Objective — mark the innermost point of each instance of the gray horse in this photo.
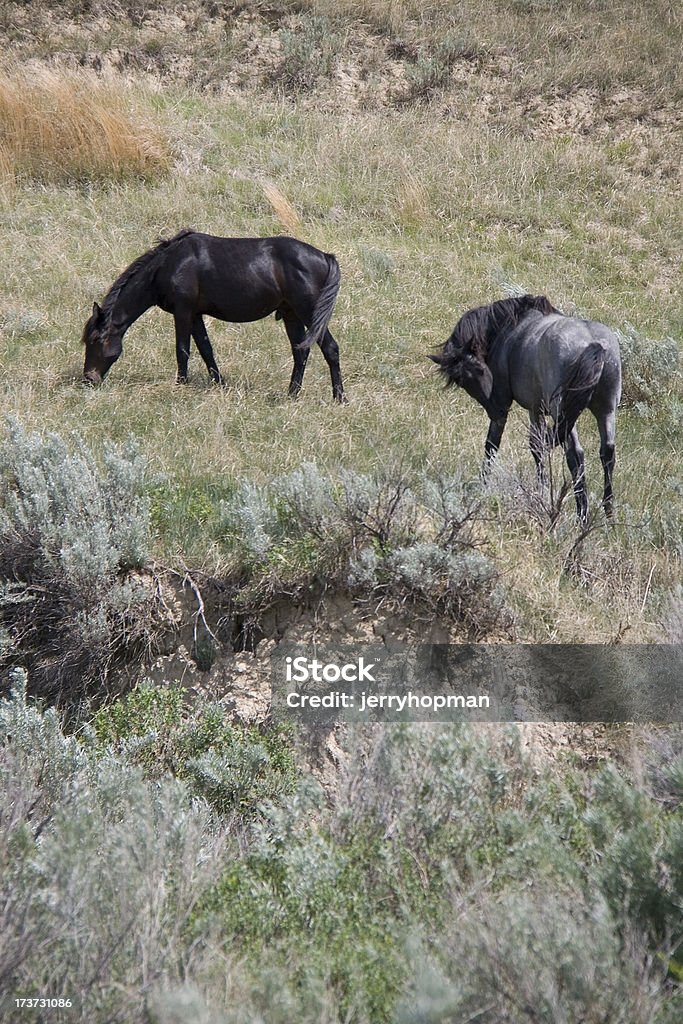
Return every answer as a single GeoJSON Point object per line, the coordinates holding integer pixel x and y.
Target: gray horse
{"type": "Point", "coordinates": [524, 350]}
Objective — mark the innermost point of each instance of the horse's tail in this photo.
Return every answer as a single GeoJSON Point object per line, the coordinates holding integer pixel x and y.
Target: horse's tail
{"type": "Point", "coordinates": [322, 311]}
{"type": "Point", "coordinates": [576, 389]}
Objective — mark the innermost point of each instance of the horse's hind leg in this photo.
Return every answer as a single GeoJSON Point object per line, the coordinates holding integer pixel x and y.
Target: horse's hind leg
{"type": "Point", "coordinates": [576, 462]}
{"type": "Point", "coordinates": [330, 349]}
{"type": "Point", "coordinates": [607, 428]}
{"type": "Point", "coordinates": [538, 443]}
{"type": "Point", "coordinates": [296, 332]}
{"type": "Point", "coordinates": [182, 345]}
{"type": "Point", "coordinates": [202, 342]}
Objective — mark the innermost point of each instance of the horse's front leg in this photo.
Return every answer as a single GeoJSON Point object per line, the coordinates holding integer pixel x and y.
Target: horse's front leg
{"type": "Point", "coordinates": [201, 339]}
{"type": "Point", "coordinates": [183, 324]}
{"type": "Point", "coordinates": [492, 443]}
{"type": "Point", "coordinates": [576, 462]}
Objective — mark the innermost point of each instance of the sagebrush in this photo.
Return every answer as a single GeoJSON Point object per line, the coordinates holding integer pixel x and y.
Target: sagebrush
{"type": "Point", "coordinates": [370, 535]}
{"type": "Point", "coordinates": [74, 534]}
{"type": "Point", "coordinates": [143, 898]}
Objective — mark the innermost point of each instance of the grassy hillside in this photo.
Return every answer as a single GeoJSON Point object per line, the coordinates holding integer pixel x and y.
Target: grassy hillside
{"type": "Point", "coordinates": [444, 157]}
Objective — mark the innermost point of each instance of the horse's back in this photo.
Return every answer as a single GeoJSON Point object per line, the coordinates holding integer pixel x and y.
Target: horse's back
{"type": "Point", "coordinates": [580, 335]}
{"type": "Point", "coordinates": [281, 248]}
{"type": "Point", "coordinates": [543, 349]}
{"type": "Point", "coordinates": [239, 279]}
{"type": "Point", "coordinates": [281, 260]}
{"type": "Point", "coordinates": [571, 339]}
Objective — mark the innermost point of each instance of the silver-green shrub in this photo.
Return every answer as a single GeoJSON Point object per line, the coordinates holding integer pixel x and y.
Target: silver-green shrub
{"type": "Point", "coordinates": [250, 521]}
{"type": "Point", "coordinates": [406, 543]}
{"type": "Point", "coordinates": [651, 371]}
{"type": "Point", "coordinates": [307, 501]}
{"type": "Point", "coordinates": [536, 954]}
{"type": "Point", "coordinates": [310, 53]}
{"type": "Point", "coordinates": [87, 522]}
{"type": "Point", "coordinates": [71, 531]}
{"type": "Point", "coordinates": [100, 871]}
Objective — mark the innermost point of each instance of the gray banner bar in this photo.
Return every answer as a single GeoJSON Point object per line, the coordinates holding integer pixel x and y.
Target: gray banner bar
{"type": "Point", "coordinates": [326, 683]}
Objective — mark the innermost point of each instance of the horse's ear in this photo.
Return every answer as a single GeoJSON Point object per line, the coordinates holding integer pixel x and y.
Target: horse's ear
{"type": "Point", "coordinates": [544, 305]}
{"type": "Point", "coordinates": [436, 359]}
{"type": "Point", "coordinates": [96, 310]}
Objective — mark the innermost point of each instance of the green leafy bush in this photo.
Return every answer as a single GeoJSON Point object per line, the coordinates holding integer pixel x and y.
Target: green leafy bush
{"type": "Point", "coordinates": [231, 767]}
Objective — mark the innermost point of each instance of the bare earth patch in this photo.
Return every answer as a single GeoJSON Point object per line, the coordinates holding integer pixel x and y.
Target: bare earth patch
{"type": "Point", "coordinates": [241, 681]}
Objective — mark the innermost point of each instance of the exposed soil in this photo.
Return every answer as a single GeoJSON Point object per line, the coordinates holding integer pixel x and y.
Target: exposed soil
{"type": "Point", "coordinates": [241, 680]}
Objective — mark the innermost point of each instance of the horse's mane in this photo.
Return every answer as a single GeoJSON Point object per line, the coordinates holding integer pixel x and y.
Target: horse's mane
{"type": "Point", "coordinates": [475, 331]}
{"type": "Point", "coordinates": [141, 263]}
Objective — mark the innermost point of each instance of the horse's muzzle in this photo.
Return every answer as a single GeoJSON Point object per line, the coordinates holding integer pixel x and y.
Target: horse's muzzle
{"type": "Point", "coordinates": [92, 379]}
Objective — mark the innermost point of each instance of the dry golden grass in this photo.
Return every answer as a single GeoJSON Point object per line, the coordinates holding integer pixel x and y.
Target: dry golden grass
{"type": "Point", "coordinates": [62, 126]}
{"type": "Point", "coordinates": [282, 207]}
{"type": "Point", "coordinates": [7, 169]}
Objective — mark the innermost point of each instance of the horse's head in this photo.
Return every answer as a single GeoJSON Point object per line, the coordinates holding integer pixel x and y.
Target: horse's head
{"type": "Point", "coordinates": [466, 370]}
{"type": "Point", "coordinates": [102, 346]}
{"type": "Point", "coordinates": [463, 358]}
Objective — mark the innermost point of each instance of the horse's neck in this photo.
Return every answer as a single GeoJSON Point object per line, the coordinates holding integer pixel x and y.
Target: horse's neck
{"type": "Point", "coordinates": [134, 299]}
{"type": "Point", "coordinates": [494, 345]}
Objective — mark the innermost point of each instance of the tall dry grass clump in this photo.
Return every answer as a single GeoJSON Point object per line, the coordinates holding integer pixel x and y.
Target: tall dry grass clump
{"type": "Point", "coordinates": [282, 207]}
{"type": "Point", "coordinates": [58, 126]}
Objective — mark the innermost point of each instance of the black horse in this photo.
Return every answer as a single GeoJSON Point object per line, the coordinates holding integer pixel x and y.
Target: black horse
{"type": "Point", "coordinates": [524, 350]}
{"type": "Point", "coordinates": [234, 279]}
